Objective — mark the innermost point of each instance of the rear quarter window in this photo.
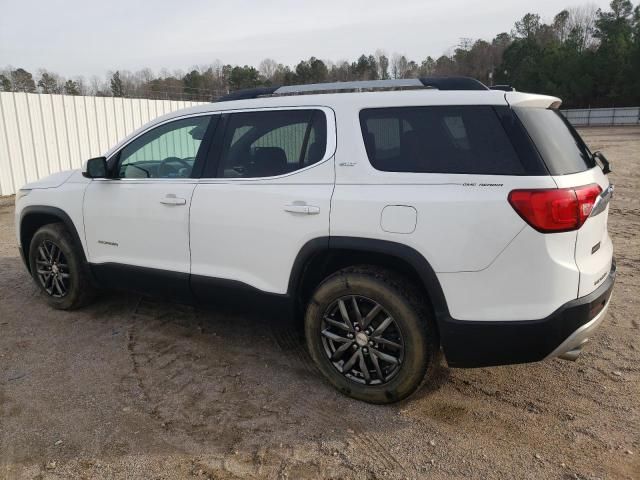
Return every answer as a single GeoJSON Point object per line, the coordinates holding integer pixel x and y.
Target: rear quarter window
{"type": "Point", "coordinates": [559, 144]}
{"type": "Point", "coordinates": [441, 139]}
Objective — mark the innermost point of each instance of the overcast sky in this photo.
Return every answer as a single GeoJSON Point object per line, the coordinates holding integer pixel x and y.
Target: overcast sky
{"type": "Point", "coordinates": [84, 37]}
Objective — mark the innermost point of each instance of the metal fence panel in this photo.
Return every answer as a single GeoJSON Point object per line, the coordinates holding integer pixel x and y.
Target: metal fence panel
{"type": "Point", "coordinates": [584, 117]}
{"type": "Point", "coordinates": [41, 134]}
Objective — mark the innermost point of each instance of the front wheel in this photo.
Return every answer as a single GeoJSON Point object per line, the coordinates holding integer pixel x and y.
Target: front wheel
{"type": "Point", "coordinates": [370, 334]}
{"type": "Point", "coordinates": [59, 269]}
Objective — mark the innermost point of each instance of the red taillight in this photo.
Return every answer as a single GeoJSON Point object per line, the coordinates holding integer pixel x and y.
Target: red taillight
{"type": "Point", "coordinates": [555, 210]}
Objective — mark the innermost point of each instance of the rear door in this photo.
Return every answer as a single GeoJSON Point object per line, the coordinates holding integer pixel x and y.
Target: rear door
{"type": "Point", "coordinates": [265, 193]}
{"type": "Point", "coordinates": [571, 165]}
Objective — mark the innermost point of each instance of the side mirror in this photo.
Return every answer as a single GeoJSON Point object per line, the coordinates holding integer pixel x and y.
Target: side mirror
{"type": "Point", "coordinates": [603, 162]}
{"type": "Point", "coordinates": [95, 168]}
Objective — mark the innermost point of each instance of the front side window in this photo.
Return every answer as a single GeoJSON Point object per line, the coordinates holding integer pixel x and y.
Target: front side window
{"type": "Point", "coordinates": [270, 143]}
{"type": "Point", "coordinates": [167, 151]}
{"type": "Point", "coordinates": [439, 139]}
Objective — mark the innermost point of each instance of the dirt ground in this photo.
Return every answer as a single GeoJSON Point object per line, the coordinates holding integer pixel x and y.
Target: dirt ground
{"type": "Point", "coordinates": [136, 388]}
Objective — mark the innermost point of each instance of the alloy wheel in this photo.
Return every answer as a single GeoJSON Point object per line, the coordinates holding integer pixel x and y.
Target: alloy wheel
{"type": "Point", "coordinates": [362, 340]}
{"type": "Point", "coordinates": [53, 269]}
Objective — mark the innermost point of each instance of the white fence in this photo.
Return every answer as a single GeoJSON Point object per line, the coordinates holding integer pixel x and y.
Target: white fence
{"type": "Point", "coordinates": [41, 134]}
{"type": "Point", "coordinates": [585, 117]}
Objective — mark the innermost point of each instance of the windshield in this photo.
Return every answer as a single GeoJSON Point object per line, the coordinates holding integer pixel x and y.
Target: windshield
{"type": "Point", "coordinates": [560, 146]}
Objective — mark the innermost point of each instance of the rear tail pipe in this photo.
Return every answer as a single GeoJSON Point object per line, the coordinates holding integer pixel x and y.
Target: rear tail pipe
{"type": "Point", "coordinates": [572, 355]}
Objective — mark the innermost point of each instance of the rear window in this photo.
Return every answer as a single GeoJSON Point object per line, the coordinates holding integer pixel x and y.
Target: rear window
{"type": "Point", "coordinates": [441, 139]}
{"type": "Point", "coordinates": [560, 146]}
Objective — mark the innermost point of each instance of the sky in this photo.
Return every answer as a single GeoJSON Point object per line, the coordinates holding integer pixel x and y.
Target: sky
{"type": "Point", "coordinates": [85, 37]}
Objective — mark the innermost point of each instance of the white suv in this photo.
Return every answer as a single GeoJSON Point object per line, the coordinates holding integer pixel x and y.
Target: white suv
{"type": "Point", "coordinates": [397, 217]}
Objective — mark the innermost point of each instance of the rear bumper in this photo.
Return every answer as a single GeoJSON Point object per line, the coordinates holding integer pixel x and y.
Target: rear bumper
{"type": "Point", "coordinates": [485, 343]}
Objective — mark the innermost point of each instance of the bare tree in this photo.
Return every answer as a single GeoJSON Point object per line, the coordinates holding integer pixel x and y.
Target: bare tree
{"type": "Point", "coordinates": [81, 85]}
{"type": "Point", "coordinates": [582, 20]}
{"type": "Point", "coordinates": [561, 25]}
{"type": "Point", "coordinates": [98, 87]}
{"type": "Point", "coordinates": [382, 60]}
{"type": "Point", "coordinates": [399, 66]}
{"type": "Point", "coordinates": [268, 68]}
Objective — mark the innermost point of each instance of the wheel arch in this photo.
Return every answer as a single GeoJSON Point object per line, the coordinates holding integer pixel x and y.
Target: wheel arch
{"type": "Point", "coordinates": [34, 217]}
{"type": "Point", "coordinates": [323, 256]}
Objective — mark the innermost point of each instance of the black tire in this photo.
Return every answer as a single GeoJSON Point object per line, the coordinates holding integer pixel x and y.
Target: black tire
{"type": "Point", "coordinates": [413, 327]}
{"type": "Point", "coordinates": [77, 288]}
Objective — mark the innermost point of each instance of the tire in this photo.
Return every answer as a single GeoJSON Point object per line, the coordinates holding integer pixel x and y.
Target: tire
{"type": "Point", "coordinates": [411, 327]}
{"type": "Point", "coordinates": [72, 286]}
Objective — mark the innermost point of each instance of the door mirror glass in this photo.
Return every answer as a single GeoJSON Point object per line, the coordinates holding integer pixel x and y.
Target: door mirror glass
{"type": "Point", "coordinates": [96, 168]}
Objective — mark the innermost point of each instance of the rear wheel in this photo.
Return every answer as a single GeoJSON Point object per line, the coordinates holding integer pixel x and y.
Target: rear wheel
{"type": "Point", "coordinates": [370, 334]}
{"type": "Point", "coordinates": [58, 268]}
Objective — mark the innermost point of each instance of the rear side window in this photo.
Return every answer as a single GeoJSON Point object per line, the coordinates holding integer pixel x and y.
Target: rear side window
{"type": "Point", "coordinates": [266, 144]}
{"type": "Point", "coordinates": [561, 147]}
{"type": "Point", "coordinates": [440, 139]}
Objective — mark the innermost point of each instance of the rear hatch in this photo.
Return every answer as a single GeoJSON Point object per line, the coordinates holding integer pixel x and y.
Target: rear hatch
{"type": "Point", "coordinates": [572, 166]}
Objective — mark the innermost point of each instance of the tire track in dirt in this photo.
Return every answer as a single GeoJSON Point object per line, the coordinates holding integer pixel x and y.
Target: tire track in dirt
{"type": "Point", "coordinates": [377, 453]}
{"type": "Point", "coordinates": [188, 388]}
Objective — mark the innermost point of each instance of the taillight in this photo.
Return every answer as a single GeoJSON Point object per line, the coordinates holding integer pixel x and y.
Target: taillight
{"type": "Point", "coordinates": [555, 210]}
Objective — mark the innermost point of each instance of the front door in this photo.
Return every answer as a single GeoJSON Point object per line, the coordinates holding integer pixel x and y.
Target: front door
{"type": "Point", "coordinates": [137, 221]}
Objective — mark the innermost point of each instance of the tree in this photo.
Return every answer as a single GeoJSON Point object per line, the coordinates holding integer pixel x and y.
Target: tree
{"type": "Point", "coordinates": [268, 68]}
{"type": "Point", "coordinates": [283, 75]}
{"type": "Point", "coordinates": [383, 64]}
{"type": "Point", "coordinates": [613, 62]}
{"type": "Point", "coordinates": [528, 26]}
{"type": "Point", "coordinates": [561, 25]}
{"type": "Point", "coordinates": [194, 83]}
{"type": "Point", "coordinates": [341, 72]}
{"type": "Point", "coordinates": [581, 25]}
{"type": "Point", "coordinates": [117, 89]}
{"type": "Point", "coordinates": [22, 81]}
{"type": "Point", "coordinates": [5, 84]}
{"type": "Point", "coordinates": [445, 65]}
{"type": "Point", "coordinates": [311, 71]}
{"type": "Point", "coordinates": [243, 77]}
{"type": "Point", "coordinates": [71, 88]}
{"type": "Point", "coordinates": [427, 67]}
{"type": "Point", "coordinates": [49, 83]}
{"type": "Point", "coordinates": [399, 65]}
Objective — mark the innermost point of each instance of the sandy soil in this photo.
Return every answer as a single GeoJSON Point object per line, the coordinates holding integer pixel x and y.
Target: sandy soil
{"type": "Point", "coordinates": [137, 388]}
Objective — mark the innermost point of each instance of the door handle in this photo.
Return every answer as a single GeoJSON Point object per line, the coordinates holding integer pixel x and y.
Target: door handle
{"type": "Point", "coordinates": [304, 209]}
{"type": "Point", "coordinates": [172, 200]}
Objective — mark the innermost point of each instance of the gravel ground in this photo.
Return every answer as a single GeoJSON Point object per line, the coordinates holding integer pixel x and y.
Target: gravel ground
{"type": "Point", "coordinates": [133, 387]}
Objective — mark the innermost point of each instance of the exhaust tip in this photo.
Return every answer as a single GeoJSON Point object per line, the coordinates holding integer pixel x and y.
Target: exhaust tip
{"type": "Point", "coordinates": [571, 355]}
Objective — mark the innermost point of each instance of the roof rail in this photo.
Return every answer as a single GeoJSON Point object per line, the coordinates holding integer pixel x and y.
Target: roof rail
{"type": "Point", "coordinates": [506, 88]}
{"type": "Point", "coordinates": [453, 83]}
{"type": "Point", "coordinates": [248, 93]}
{"type": "Point", "coordinates": [439, 83]}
